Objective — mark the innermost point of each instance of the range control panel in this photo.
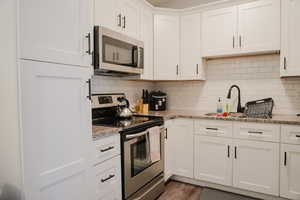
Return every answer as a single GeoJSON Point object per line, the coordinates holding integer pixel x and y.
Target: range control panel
{"type": "Point", "coordinates": [107, 100]}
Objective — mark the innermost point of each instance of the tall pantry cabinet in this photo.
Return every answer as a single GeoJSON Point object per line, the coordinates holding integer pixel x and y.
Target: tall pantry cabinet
{"type": "Point", "coordinates": [55, 69]}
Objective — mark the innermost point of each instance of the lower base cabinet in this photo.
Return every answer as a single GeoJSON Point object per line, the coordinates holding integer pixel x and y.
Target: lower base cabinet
{"type": "Point", "coordinates": [168, 150]}
{"type": "Point", "coordinates": [290, 171]}
{"type": "Point", "coordinates": [108, 179]}
{"type": "Point", "coordinates": [183, 151]}
{"type": "Point", "coordinates": [256, 166]}
{"type": "Point", "coordinates": [244, 164]}
{"type": "Point", "coordinates": [212, 159]}
{"type": "Point", "coordinates": [179, 153]}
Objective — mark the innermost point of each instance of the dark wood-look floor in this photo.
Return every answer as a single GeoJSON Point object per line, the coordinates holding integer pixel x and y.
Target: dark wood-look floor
{"type": "Point", "coordinates": [180, 191]}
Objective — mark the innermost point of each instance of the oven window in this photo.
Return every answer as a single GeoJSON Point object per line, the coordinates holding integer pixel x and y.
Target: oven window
{"type": "Point", "coordinates": [140, 155]}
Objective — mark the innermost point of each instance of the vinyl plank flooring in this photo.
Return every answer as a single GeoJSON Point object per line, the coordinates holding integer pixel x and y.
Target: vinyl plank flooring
{"type": "Point", "coordinates": [180, 191]}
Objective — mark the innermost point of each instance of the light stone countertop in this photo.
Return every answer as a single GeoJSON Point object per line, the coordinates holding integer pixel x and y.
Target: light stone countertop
{"type": "Point", "coordinates": [277, 119]}
{"type": "Point", "coordinates": [99, 131]}
{"type": "Point", "coordinates": [173, 114]}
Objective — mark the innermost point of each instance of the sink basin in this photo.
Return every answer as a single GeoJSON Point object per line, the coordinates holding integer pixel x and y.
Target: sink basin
{"type": "Point", "coordinates": [234, 115]}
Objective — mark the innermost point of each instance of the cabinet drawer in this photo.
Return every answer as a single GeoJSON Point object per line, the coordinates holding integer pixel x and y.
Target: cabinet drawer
{"type": "Point", "coordinates": [213, 128]}
{"type": "Point", "coordinates": [290, 134]}
{"type": "Point", "coordinates": [108, 179]}
{"type": "Point", "coordinates": [256, 131]}
{"type": "Point", "coordinates": [106, 148]}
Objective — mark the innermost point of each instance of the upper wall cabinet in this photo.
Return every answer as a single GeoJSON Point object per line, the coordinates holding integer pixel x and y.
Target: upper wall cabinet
{"type": "Point", "coordinates": [290, 41]}
{"type": "Point", "coordinates": [107, 14]}
{"type": "Point", "coordinates": [219, 29]}
{"type": "Point", "coordinates": [246, 29]}
{"type": "Point", "coordinates": [57, 31]}
{"type": "Point", "coordinates": [130, 10]}
{"type": "Point", "coordinates": [259, 26]}
{"type": "Point", "coordinates": [119, 15]}
{"type": "Point", "coordinates": [147, 37]}
{"type": "Point", "coordinates": [166, 47]}
{"type": "Point", "coordinates": [191, 67]}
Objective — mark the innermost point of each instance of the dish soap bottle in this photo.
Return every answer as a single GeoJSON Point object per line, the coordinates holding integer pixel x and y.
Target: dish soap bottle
{"type": "Point", "coordinates": [219, 107]}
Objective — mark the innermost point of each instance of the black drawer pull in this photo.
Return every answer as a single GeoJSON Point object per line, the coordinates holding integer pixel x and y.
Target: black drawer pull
{"type": "Point", "coordinates": [255, 132]}
{"type": "Point", "coordinates": [228, 151]}
{"type": "Point", "coordinates": [212, 129]}
{"type": "Point", "coordinates": [235, 152]}
{"type": "Point", "coordinates": [166, 135]}
{"type": "Point", "coordinates": [107, 149]}
{"type": "Point", "coordinates": [298, 136]}
{"type": "Point", "coordinates": [106, 179]}
{"type": "Point", "coordinates": [285, 158]}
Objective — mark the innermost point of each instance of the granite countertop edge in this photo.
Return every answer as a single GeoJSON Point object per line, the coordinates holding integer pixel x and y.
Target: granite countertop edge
{"type": "Point", "coordinates": [100, 131]}
{"type": "Point", "coordinates": [276, 119]}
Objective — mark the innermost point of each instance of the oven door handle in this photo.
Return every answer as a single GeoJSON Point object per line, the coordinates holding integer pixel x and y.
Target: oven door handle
{"type": "Point", "coordinates": [137, 135]}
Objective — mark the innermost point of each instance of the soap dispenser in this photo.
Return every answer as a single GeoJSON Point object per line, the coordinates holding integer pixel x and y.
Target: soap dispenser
{"type": "Point", "coordinates": [219, 107]}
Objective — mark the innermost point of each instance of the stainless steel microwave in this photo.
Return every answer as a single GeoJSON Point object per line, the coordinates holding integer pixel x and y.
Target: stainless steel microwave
{"type": "Point", "coordinates": [116, 53]}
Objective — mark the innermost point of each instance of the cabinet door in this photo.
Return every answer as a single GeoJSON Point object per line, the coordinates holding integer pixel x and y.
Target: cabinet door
{"type": "Point", "coordinates": [256, 166]}
{"type": "Point", "coordinates": [290, 41]}
{"type": "Point", "coordinates": [219, 32]}
{"type": "Point", "coordinates": [147, 37]}
{"type": "Point", "coordinates": [213, 159]}
{"type": "Point", "coordinates": [191, 59]}
{"type": "Point", "coordinates": [107, 14]}
{"type": "Point", "coordinates": [259, 26]}
{"type": "Point", "coordinates": [130, 10]}
{"type": "Point", "coordinates": [182, 131]}
{"type": "Point", "coordinates": [166, 47]}
{"type": "Point", "coordinates": [169, 148]}
{"type": "Point", "coordinates": [290, 173]}
{"type": "Point", "coordinates": [57, 139]}
{"type": "Point", "coordinates": [56, 31]}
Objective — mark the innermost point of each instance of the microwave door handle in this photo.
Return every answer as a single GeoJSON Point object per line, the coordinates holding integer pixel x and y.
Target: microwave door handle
{"type": "Point", "coordinates": [137, 135]}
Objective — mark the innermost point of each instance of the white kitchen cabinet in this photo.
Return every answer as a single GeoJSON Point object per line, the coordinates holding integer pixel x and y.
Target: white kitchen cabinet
{"type": "Point", "coordinates": [213, 159]}
{"type": "Point", "coordinates": [108, 179]}
{"type": "Point", "coordinates": [259, 26]}
{"type": "Point", "coordinates": [191, 67]}
{"type": "Point", "coordinates": [219, 32]}
{"type": "Point", "coordinates": [169, 148]}
{"type": "Point", "coordinates": [57, 31]}
{"type": "Point", "coordinates": [290, 41]}
{"type": "Point", "coordinates": [183, 150]}
{"type": "Point", "coordinates": [56, 126]}
{"type": "Point", "coordinates": [130, 10]}
{"type": "Point", "coordinates": [256, 166]}
{"type": "Point", "coordinates": [108, 14]}
{"type": "Point", "coordinates": [245, 29]}
{"type": "Point", "coordinates": [166, 47]}
{"type": "Point", "coordinates": [290, 173]}
{"type": "Point", "coordinates": [119, 15]}
{"type": "Point", "coordinates": [147, 37]}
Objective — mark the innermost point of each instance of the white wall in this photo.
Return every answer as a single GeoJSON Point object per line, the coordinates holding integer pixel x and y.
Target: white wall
{"type": "Point", "coordinates": [9, 135]}
{"type": "Point", "coordinates": [257, 76]}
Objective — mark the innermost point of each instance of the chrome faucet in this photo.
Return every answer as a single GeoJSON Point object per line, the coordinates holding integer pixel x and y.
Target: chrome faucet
{"type": "Point", "coordinates": [239, 107]}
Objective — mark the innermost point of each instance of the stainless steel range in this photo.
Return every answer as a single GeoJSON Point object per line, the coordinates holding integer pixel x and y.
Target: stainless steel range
{"type": "Point", "coordinates": [142, 142]}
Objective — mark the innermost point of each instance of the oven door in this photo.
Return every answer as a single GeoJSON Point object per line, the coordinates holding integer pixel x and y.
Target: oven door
{"type": "Point", "coordinates": [138, 167]}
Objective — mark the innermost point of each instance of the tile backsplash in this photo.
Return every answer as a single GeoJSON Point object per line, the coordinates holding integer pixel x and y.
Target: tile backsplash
{"type": "Point", "coordinates": [257, 76]}
{"type": "Point", "coordinates": [132, 89]}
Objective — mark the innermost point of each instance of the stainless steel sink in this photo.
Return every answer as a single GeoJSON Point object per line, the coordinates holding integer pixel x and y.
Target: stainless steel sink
{"type": "Point", "coordinates": [234, 115]}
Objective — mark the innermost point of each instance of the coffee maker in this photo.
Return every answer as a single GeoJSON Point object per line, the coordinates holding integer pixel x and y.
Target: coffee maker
{"type": "Point", "coordinates": [158, 101]}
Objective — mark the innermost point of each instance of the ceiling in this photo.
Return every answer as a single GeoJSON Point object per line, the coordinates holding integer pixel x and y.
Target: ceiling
{"type": "Point", "coordinates": [179, 3]}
